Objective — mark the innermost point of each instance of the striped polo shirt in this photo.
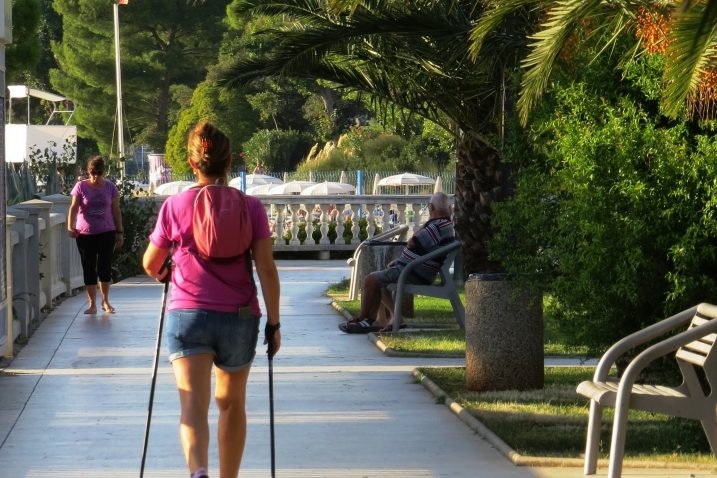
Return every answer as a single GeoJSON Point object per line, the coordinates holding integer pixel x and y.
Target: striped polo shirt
{"type": "Point", "coordinates": [434, 234]}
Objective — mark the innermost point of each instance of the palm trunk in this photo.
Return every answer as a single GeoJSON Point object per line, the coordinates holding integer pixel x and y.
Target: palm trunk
{"type": "Point", "coordinates": [504, 324]}
{"type": "Point", "coordinates": [478, 184]}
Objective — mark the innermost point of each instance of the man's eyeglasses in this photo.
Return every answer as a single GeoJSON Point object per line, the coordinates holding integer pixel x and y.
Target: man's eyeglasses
{"type": "Point", "coordinates": [95, 172]}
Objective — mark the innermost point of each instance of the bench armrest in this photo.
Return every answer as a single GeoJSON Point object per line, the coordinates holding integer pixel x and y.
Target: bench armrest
{"type": "Point", "coordinates": [620, 347]}
{"type": "Point", "coordinates": [441, 251]}
{"type": "Point", "coordinates": [660, 349]}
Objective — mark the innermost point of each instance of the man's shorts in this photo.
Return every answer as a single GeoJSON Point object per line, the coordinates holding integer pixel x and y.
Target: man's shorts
{"type": "Point", "coordinates": [390, 276]}
{"type": "Point", "coordinates": [230, 337]}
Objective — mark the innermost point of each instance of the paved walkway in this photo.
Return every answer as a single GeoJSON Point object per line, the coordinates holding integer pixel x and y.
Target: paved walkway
{"type": "Point", "coordinates": [73, 402]}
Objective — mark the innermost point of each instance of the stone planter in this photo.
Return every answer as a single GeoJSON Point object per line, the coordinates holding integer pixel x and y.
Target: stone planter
{"type": "Point", "coordinates": [504, 335]}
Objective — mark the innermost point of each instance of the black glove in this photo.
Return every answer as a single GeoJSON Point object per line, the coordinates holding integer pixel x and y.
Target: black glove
{"type": "Point", "coordinates": [166, 265]}
{"type": "Point", "coordinates": [269, 331]}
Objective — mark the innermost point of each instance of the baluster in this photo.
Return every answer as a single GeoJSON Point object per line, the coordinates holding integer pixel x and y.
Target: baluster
{"type": "Point", "coordinates": [401, 213]}
{"type": "Point", "coordinates": [268, 208]}
{"type": "Point", "coordinates": [340, 224]}
{"type": "Point", "coordinates": [371, 223]}
{"type": "Point", "coordinates": [355, 229]}
{"type": "Point", "coordinates": [324, 225]}
{"type": "Point", "coordinates": [280, 222]}
{"type": "Point", "coordinates": [294, 241]}
{"type": "Point", "coordinates": [416, 223]}
{"type": "Point", "coordinates": [385, 217]}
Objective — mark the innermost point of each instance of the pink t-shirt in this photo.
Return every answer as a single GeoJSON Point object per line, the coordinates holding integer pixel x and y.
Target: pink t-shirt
{"type": "Point", "coordinates": [95, 213]}
{"type": "Point", "coordinates": [199, 284]}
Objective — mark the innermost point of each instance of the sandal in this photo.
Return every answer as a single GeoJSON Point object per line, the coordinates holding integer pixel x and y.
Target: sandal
{"type": "Point", "coordinates": [359, 327]}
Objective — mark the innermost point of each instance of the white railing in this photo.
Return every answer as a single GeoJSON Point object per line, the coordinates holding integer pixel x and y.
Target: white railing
{"type": "Point", "coordinates": [306, 223]}
{"type": "Point", "coordinates": [43, 262]}
{"type": "Point", "coordinates": [287, 214]}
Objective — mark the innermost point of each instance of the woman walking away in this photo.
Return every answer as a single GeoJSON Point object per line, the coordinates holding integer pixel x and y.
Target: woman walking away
{"type": "Point", "coordinates": [213, 315]}
{"type": "Point", "coordinates": [95, 221]}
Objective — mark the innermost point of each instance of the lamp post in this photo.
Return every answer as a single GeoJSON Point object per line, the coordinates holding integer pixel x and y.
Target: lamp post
{"type": "Point", "coordinates": [118, 75]}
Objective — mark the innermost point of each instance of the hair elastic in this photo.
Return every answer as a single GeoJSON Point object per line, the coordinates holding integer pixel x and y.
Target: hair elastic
{"type": "Point", "coordinates": [206, 144]}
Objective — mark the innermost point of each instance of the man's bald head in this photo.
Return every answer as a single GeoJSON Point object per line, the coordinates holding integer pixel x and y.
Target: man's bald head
{"type": "Point", "coordinates": [441, 206]}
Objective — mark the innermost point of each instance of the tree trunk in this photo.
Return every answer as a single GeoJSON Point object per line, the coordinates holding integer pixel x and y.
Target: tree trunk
{"type": "Point", "coordinates": [478, 184]}
{"type": "Point", "coordinates": [504, 326]}
{"type": "Point", "coordinates": [327, 97]}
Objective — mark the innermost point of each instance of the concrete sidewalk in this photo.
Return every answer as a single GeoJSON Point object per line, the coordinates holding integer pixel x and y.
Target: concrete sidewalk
{"type": "Point", "coordinates": [73, 403]}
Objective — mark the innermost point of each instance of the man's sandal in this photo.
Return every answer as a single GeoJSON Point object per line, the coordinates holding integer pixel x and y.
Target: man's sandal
{"type": "Point", "coordinates": [359, 327]}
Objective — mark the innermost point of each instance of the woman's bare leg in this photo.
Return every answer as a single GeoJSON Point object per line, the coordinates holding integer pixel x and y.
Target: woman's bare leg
{"type": "Point", "coordinates": [193, 375]}
{"type": "Point", "coordinates": [105, 293]}
{"type": "Point", "coordinates": [230, 395]}
{"type": "Point", "coordinates": [91, 298]}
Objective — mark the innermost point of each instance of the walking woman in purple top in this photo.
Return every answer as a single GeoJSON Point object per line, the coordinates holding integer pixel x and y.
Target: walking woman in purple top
{"type": "Point", "coordinates": [95, 221]}
{"type": "Point", "coordinates": [213, 313]}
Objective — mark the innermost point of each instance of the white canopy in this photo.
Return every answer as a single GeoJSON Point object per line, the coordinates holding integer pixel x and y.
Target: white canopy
{"type": "Point", "coordinates": [22, 91]}
{"type": "Point", "coordinates": [261, 190]}
{"type": "Point", "coordinates": [174, 187]}
{"type": "Point", "coordinates": [292, 187]}
{"type": "Point", "coordinates": [255, 180]}
{"type": "Point", "coordinates": [406, 179]}
{"type": "Point", "coordinates": [438, 188]}
{"type": "Point", "coordinates": [328, 188]}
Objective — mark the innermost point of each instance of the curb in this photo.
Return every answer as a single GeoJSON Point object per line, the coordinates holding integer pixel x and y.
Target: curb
{"type": "Point", "coordinates": [345, 313]}
{"type": "Point", "coordinates": [535, 461]}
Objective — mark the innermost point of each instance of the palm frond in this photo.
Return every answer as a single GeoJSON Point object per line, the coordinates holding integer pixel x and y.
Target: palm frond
{"type": "Point", "coordinates": [493, 18]}
{"type": "Point", "coordinates": [564, 18]}
{"type": "Point", "coordinates": [413, 56]}
{"type": "Point", "coordinates": [709, 16]}
{"type": "Point", "coordinates": [692, 50]}
{"type": "Point", "coordinates": [562, 21]}
{"type": "Point", "coordinates": [298, 8]}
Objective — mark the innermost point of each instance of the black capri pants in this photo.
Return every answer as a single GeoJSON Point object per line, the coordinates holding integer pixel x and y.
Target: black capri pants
{"type": "Point", "coordinates": [96, 255]}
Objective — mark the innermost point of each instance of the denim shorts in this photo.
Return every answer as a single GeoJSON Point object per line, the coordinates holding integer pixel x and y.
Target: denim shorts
{"type": "Point", "coordinates": [231, 337]}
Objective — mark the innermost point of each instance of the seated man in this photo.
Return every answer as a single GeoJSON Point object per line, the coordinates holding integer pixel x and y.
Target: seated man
{"type": "Point", "coordinates": [436, 232]}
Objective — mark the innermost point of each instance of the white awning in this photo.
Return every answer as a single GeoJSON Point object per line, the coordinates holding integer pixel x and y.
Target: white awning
{"type": "Point", "coordinates": [22, 91]}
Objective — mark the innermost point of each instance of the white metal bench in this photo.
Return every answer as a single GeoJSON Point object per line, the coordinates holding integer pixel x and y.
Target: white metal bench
{"type": "Point", "coordinates": [445, 288]}
{"type": "Point", "coordinates": [696, 356]}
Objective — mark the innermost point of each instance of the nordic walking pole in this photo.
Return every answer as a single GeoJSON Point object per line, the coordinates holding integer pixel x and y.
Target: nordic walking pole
{"type": "Point", "coordinates": [166, 265]}
{"type": "Point", "coordinates": [269, 333]}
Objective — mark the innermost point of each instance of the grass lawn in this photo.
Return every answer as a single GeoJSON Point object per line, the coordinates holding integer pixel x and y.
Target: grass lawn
{"type": "Point", "coordinates": [435, 313]}
{"type": "Point", "coordinates": [430, 312]}
{"type": "Point", "coordinates": [553, 421]}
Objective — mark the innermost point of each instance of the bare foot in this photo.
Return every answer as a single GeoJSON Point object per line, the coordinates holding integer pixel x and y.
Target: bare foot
{"type": "Point", "coordinates": [108, 308]}
{"type": "Point", "coordinates": [91, 311]}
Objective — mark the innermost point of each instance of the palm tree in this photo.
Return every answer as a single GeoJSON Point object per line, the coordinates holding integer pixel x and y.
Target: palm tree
{"type": "Point", "coordinates": [685, 31]}
{"type": "Point", "coordinates": [414, 56]}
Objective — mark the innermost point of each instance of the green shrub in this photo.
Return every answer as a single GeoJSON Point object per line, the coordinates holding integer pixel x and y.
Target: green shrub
{"type": "Point", "coordinates": [278, 150]}
{"type": "Point", "coordinates": [616, 221]}
{"type": "Point", "coordinates": [139, 215]}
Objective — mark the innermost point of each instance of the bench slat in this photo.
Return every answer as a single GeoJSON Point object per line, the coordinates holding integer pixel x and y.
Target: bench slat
{"type": "Point", "coordinates": [690, 357]}
{"type": "Point", "coordinates": [698, 347]}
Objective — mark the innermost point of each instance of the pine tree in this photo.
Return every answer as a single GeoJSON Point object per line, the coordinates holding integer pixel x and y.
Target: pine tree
{"type": "Point", "coordinates": [164, 43]}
